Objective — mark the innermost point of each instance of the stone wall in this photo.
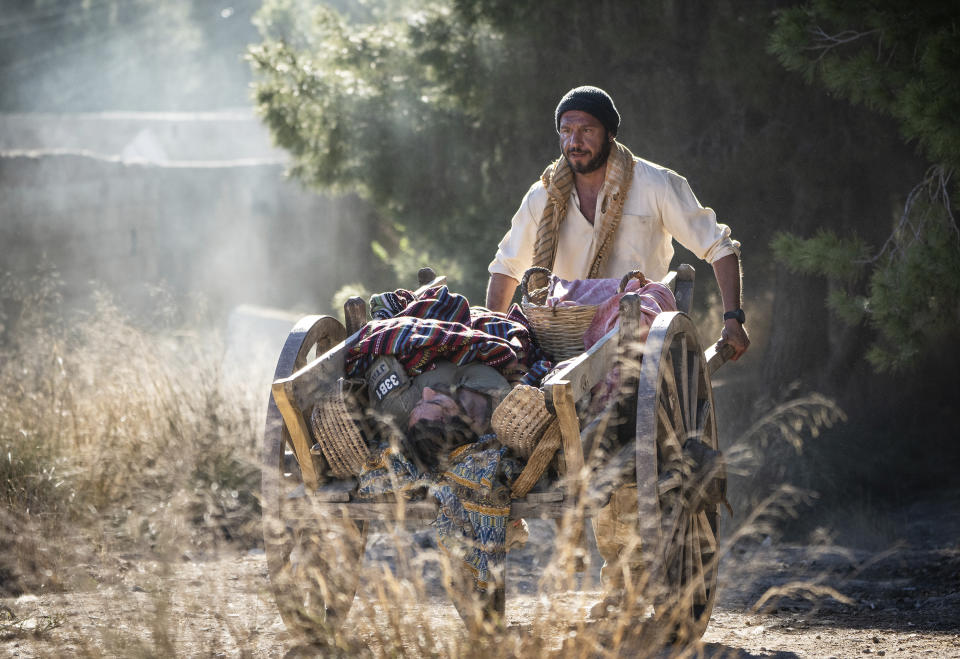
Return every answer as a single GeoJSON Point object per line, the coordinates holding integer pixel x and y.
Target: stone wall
{"type": "Point", "coordinates": [153, 136]}
{"type": "Point", "coordinates": [235, 232]}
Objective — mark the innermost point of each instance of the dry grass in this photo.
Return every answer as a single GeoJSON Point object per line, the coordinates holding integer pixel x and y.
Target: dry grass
{"type": "Point", "coordinates": [124, 431]}
{"type": "Point", "coordinates": [122, 443]}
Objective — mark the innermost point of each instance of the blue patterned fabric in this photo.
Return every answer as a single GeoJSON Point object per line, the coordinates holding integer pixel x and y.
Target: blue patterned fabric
{"type": "Point", "coordinates": [473, 493]}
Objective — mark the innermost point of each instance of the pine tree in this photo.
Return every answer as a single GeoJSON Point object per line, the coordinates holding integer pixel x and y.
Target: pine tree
{"type": "Point", "coordinates": [901, 59]}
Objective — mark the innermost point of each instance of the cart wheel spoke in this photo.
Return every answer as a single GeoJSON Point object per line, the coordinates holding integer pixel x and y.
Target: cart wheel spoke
{"type": "Point", "coordinates": [707, 539]}
{"type": "Point", "coordinates": [696, 561]}
{"type": "Point", "coordinates": [673, 525]}
{"type": "Point", "coordinates": [693, 393]}
{"type": "Point", "coordinates": [673, 546]}
{"type": "Point", "coordinates": [673, 395]}
{"type": "Point", "coordinates": [689, 573]}
{"type": "Point", "coordinates": [668, 441]}
{"type": "Point", "coordinates": [679, 355]}
{"type": "Point", "coordinates": [704, 413]}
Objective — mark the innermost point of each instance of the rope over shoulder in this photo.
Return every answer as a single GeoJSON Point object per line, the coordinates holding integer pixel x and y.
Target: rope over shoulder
{"type": "Point", "coordinates": [558, 181]}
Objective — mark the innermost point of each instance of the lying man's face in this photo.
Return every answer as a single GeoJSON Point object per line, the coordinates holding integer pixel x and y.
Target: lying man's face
{"type": "Point", "coordinates": [437, 425]}
{"type": "Point", "coordinates": [434, 406]}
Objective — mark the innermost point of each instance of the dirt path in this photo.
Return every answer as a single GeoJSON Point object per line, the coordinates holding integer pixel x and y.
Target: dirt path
{"type": "Point", "coordinates": [904, 602]}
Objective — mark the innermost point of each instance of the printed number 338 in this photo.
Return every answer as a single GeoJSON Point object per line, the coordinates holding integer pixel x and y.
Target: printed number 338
{"type": "Point", "coordinates": [388, 384]}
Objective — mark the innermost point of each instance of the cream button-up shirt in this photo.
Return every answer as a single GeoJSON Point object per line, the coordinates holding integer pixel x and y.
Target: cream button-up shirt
{"type": "Point", "coordinates": [659, 207]}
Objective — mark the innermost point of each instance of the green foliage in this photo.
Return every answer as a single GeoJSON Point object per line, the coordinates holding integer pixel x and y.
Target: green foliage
{"type": "Point", "coordinates": [842, 259]}
{"type": "Point", "coordinates": [912, 289]}
{"type": "Point", "coordinates": [377, 109]}
{"type": "Point", "coordinates": [404, 264]}
{"type": "Point", "coordinates": [357, 106]}
{"type": "Point", "coordinates": [896, 56]}
{"type": "Point", "coordinates": [849, 307]}
{"type": "Point", "coordinates": [408, 260]}
{"type": "Point", "coordinates": [901, 59]}
{"type": "Point", "coordinates": [914, 297]}
{"type": "Point", "coordinates": [825, 253]}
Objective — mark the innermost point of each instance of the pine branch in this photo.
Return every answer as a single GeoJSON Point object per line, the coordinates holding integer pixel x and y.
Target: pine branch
{"type": "Point", "coordinates": [824, 42]}
{"type": "Point", "coordinates": [935, 185]}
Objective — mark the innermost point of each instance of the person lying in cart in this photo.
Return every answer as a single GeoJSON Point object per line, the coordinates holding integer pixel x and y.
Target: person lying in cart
{"type": "Point", "coordinates": [435, 370]}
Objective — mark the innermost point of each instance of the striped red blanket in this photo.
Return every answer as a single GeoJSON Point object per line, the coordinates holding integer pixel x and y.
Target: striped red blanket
{"type": "Point", "coordinates": [440, 324]}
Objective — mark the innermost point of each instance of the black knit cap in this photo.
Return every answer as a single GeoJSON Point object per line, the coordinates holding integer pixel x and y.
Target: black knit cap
{"type": "Point", "coordinates": [591, 100]}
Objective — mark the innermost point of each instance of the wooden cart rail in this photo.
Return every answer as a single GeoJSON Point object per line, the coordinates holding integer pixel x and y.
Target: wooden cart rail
{"type": "Point", "coordinates": [294, 396]}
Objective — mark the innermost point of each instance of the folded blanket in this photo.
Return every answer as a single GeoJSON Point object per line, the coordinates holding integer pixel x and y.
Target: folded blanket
{"type": "Point", "coordinates": [654, 298]}
{"type": "Point", "coordinates": [563, 293]}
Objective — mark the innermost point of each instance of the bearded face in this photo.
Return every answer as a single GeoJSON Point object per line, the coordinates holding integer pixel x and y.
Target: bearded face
{"type": "Point", "coordinates": [584, 142]}
{"type": "Point", "coordinates": [592, 164]}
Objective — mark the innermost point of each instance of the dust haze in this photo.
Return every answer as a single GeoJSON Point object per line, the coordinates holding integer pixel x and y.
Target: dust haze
{"type": "Point", "coordinates": [131, 161]}
{"type": "Point", "coordinates": [153, 256]}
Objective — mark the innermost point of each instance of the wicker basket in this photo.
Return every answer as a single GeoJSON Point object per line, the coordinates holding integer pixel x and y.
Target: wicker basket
{"type": "Point", "coordinates": [334, 422]}
{"type": "Point", "coordinates": [559, 330]}
{"type": "Point", "coordinates": [520, 419]}
{"type": "Point", "coordinates": [523, 423]}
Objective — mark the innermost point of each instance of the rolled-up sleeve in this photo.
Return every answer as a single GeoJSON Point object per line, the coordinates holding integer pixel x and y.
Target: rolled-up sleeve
{"type": "Point", "coordinates": [515, 251]}
{"type": "Point", "coordinates": [694, 226]}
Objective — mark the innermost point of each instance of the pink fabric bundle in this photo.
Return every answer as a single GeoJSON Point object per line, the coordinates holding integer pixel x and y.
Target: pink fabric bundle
{"type": "Point", "coordinates": [654, 298]}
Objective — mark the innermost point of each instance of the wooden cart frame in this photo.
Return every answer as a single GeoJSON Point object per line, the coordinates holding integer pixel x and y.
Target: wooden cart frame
{"type": "Point", "coordinates": [665, 400]}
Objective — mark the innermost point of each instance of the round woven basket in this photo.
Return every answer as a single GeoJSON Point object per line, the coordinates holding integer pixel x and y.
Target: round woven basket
{"type": "Point", "coordinates": [559, 330]}
{"type": "Point", "coordinates": [520, 419]}
{"type": "Point", "coordinates": [336, 431]}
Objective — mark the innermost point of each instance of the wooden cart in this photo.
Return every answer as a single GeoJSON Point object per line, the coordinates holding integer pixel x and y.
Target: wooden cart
{"type": "Point", "coordinates": [665, 400]}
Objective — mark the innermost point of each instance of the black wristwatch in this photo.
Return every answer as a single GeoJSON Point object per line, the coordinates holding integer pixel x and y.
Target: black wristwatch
{"type": "Point", "coordinates": [737, 315]}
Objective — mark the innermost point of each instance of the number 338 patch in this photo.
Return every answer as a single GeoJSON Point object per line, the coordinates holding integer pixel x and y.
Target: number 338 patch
{"type": "Point", "coordinates": [387, 384]}
{"type": "Point", "coordinates": [385, 377]}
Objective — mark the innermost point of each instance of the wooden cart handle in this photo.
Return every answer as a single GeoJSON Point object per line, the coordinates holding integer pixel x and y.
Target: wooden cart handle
{"type": "Point", "coordinates": [717, 358]}
{"type": "Point", "coordinates": [425, 276]}
{"type": "Point", "coordinates": [354, 314]}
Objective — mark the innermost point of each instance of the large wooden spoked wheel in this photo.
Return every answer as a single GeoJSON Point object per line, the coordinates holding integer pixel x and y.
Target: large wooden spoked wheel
{"type": "Point", "coordinates": [312, 562]}
{"type": "Point", "coordinates": [679, 524]}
